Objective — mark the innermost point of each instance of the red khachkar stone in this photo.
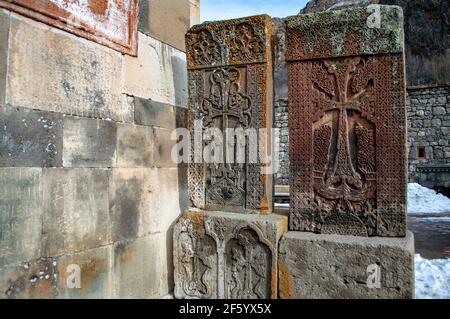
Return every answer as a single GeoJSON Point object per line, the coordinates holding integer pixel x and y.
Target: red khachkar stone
{"type": "Point", "coordinates": [347, 122]}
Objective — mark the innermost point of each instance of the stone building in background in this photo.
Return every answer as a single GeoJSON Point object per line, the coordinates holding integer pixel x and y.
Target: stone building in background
{"type": "Point", "coordinates": [87, 184]}
{"type": "Point", "coordinates": [427, 36]}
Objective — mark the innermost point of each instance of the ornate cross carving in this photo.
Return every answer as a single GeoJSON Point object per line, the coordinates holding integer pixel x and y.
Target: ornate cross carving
{"type": "Point", "coordinates": [341, 178]}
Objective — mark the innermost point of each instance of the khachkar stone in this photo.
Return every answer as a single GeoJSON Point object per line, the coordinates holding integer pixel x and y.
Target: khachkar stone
{"type": "Point", "coordinates": [226, 255]}
{"type": "Point", "coordinates": [347, 122]}
{"type": "Point", "coordinates": [230, 87]}
{"type": "Point", "coordinates": [348, 158]}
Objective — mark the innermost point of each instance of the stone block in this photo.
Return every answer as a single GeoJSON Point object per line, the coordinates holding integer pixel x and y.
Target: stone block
{"type": "Point", "coordinates": [4, 40]}
{"type": "Point", "coordinates": [227, 256]}
{"type": "Point", "coordinates": [142, 268]}
{"type": "Point", "coordinates": [163, 145]}
{"type": "Point", "coordinates": [153, 113]}
{"type": "Point", "coordinates": [135, 146]}
{"type": "Point", "coordinates": [20, 214]}
{"type": "Point", "coordinates": [143, 201]}
{"type": "Point", "coordinates": [30, 138]}
{"type": "Point", "coordinates": [230, 91]}
{"type": "Point", "coordinates": [28, 280]}
{"type": "Point", "coordinates": [156, 16]}
{"type": "Point", "coordinates": [95, 274]}
{"type": "Point", "coordinates": [89, 143]}
{"type": "Point", "coordinates": [348, 155]}
{"type": "Point", "coordinates": [64, 73]}
{"type": "Point", "coordinates": [76, 210]}
{"type": "Point", "coordinates": [157, 73]}
{"type": "Point", "coordinates": [345, 267]}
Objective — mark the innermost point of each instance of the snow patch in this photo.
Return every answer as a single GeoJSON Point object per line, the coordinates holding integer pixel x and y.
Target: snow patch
{"type": "Point", "coordinates": [422, 200]}
{"type": "Point", "coordinates": [432, 278]}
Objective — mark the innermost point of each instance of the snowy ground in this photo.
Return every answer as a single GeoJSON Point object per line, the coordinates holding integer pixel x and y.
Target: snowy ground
{"type": "Point", "coordinates": [432, 278]}
{"type": "Point", "coordinates": [422, 200]}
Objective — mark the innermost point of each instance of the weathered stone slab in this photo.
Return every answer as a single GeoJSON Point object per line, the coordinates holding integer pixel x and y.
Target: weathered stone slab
{"type": "Point", "coordinates": [162, 156]}
{"type": "Point", "coordinates": [345, 267]}
{"type": "Point", "coordinates": [28, 280]}
{"type": "Point", "coordinates": [64, 73]}
{"type": "Point", "coordinates": [375, 29]}
{"type": "Point", "coordinates": [30, 138]}
{"type": "Point", "coordinates": [143, 201]}
{"type": "Point", "coordinates": [157, 73]}
{"type": "Point", "coordinates": [4, 36]}
{"type": "Point", "coordinates": [89, 143]}
{"type": "Point", "coordinates": [135, 146]}
{"type": "Point", "coordinates": [226, 255]}
{"type": "Point", "coordinates": [20, 214]}
{"type": "Point", "coordinates": [153, 113]}
{"type": "Point", "coordinates": [230, 86]}
{"type": "Point", "coordinates": [141, 268]}
{"type": "Point", "coordinates": [347, 123]}
{"type": "Point", "coordinates": [95, 274]}
{"type": "Point", "coordinates": [156, 16]}
{"type": "Point", "coordinates": [76, 210]}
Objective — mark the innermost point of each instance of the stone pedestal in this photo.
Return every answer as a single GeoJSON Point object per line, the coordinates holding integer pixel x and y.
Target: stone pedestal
{"type": "Point", "coordinates": [227, 255]}
{"type": "Point", "coordinates": [335, 266]}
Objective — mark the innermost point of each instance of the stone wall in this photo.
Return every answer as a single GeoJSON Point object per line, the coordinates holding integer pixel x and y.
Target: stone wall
{"type": "Point", "coordinates": [86, 176]}
{"type": "Point", "coordinates": [429, 129]}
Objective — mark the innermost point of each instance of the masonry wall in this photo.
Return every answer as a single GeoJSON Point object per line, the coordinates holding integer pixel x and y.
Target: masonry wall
{"type": "Point", "coordinates": [429, 131]}
{"type": "Point", "coordinates": [86, 176]}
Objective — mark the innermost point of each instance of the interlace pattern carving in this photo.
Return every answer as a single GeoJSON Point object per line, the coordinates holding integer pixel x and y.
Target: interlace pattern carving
{"type": "Point", "coordinates": [341, 127]}
{"type": "Point", "coordinates": [227, 89]}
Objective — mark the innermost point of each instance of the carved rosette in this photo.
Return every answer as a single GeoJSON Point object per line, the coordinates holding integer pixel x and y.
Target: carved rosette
{"type": "Point", "coordinates": [228, 89]}
{"type": "Point", "coordinates": [347, 129]}
{"type": "Point", "coordinates": [223, 255]}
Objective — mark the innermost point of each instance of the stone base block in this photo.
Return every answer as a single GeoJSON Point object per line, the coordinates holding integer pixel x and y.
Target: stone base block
{"type": "Point", "coordinates": [342, 267]}
{"type": "Point", "coordinates": [227, 255]}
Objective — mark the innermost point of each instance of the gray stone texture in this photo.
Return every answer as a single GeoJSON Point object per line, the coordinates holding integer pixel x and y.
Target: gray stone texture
{"type": "Point", "coordinates": [30, 138]}
{"type": "Point", "coordinates": [89, 143]}
{"type": "Point", "coordinates": [429, 127]}
{"type": "Point", "coordinates": [155, 16]}
{"type": "Point", "coordinates": [315, 266]}
{"type": "Point", "coordinates": [62, 73]}
{"type": "Point", "coordinates": [96, 280]}
{"type": "Point", "coordinates": [4, 36]}
{"type": "Point", "coordinates": [20, 214]}
{"type": "Point", "coordinates": [281, 122]}
{"type": "Point", "coordinates": [135, 146]}
{"type": "Point", "coordinates": [76, 210]}
{"type": "Point", "coordinates": [142, 268]}
{"type": "Point", "coordinates": [153, 113]}
{"type": "Point", "coordinates": [226, 255]}
{"type": "Point", "coordinates": [28, 280]}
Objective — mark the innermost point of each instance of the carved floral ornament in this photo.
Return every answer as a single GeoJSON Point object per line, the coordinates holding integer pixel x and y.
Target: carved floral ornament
{"type": "Point", "coordinates": [232, 43]}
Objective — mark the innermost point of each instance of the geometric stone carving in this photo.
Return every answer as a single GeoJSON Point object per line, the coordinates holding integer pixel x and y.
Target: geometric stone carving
{"type": "Point", "coordinates": [347, 122]}
{"type": "Point", "coordinates": [227, 256]}
{"type": "Point", "coordinates": [230, 87]}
